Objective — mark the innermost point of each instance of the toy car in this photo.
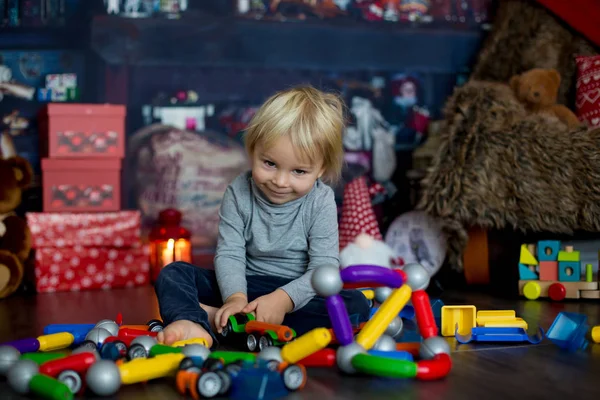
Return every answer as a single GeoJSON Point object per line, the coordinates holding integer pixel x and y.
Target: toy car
{"type": "Point", "coordinates": [257, 335]}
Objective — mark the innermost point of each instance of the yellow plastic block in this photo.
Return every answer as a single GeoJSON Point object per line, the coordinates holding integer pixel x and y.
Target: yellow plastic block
{"type": "Point", "coordinates": [506, 323]}
{"type": "Point", "coordinates": [596, 334]}
{"type": "Point", "coordinates": [526, 257]}
{"type": "Point", "coordinates": [55, 341]}
{"type": "Point", "coordinates": [494, 315]}
{"type": "Point", "coordinates": [369, 293]}
{"type": "Point", "coordinates": [568, 256]}
{"type": "Point", "coordinates": [182, 343]}
{"type": "Point", "coordinates": [464, 316]}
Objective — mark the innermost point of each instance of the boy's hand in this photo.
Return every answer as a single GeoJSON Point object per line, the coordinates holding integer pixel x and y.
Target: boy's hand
{"type": "Point", "coordinates": [234, 304]}
{"type": "Point", "coordinates": [272, 307]}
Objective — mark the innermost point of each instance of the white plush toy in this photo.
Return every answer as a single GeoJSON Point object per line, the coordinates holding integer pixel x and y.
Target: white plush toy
{"type": "Point", "coordinates": [366, 250]}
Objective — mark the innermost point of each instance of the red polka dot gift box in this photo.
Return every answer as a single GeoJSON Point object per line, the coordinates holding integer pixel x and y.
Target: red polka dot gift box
{"type": "Point", "coordinates": [87, 251]}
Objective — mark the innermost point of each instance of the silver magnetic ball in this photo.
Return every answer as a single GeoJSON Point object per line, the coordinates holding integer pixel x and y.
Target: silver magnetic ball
{"type": "Point", "coordinates": [394, 329]}
{"type": "Point", "coordinates": [8, 356]}
{"type": "Point", "coordinates": [382, 293]}
{"type": "Point", "coordinates": [432, 346]}
{"type": "Point", "coordinates": [270, 353]}
{"type": "Point", "coordinates": [345, 354]}
{"type": "Point", "coordinates": [20, 374]}
{"type": "Point", "coordinates": [103, 378]}
{"type": "Point", "coordinates": [196, 350]}
{"type": "Point", "coordinates": [109, 325]}
{"type": "Point", "coordinates": [98, 335]}
{"type": "Point", "coordinates": [327, 281]}
{"type": "Point", "coordinates": [417, 276]}
{"type": "Point", "coordinates": [385, 343]}
{"type": "Point", "coordinates": [147, 341]}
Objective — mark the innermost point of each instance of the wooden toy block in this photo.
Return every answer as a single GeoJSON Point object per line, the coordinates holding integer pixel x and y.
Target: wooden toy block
{"type": "Point", "coordinates": [569, 271]}
{"type": "Point", "coordinates": [548, 270]}
{"type": "Point", "coordinates": [526, 257]}
{"type": "Point", "coordinates": [572, 288]}
{"type": "Point", "coordinates": [547, 250]}
{"type": "Point", "coordinates": [463, 316]}
{"type": "Point", "coordinates": [568, 256]}
{"type": "Point", "coordinates": [590, 294]}
{"type": "Point", "coordinates": [525, 273]}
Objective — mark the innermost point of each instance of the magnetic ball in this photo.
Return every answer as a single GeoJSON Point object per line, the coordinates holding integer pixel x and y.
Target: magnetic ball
{"type": "Point", "coordinates": [345, 354]}
{"type": "Point", "coordinates": [270, 353]}
{"type": "Point", "coordinates": [385, 343]}
{"type": "Point", "coordinates": [109, 325]}
{"type": "Point", "coordinates": [327, 281]}
{"type": "Point", "coordinates": [103, 378]}
{"type": "Point", "coordinates": [394, 329]}
{"type": "Point", "coordinates": [196, 350]}
{"type": "Point", "coordinates": [146, 341]}
{"type": "Point", "coordinates": [8, 356]}
{"type": "Point", "coordinates": [417, 276]}
{"type": "Point", "coordinates": [382, 293]}
{"type": "Point", "coordinates": [20, 374]}
{"type": "Point", "coordinates": [98, 335]}
{"type": "Point", "coordinates": [432, 346]}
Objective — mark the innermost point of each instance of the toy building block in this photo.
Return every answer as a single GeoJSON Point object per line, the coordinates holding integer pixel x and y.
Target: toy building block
{"type": "Point", "coordinates": [589, 273]}
{"type": "Point", "coordinates": [568, 331]}
{"type": "Point", "coordinates": [499, 319]}
{"type": "Point", "coordinates": [526, 257]}
{"type": "Point", "coordinates": [590, 294]}
{"type": "Point", "coordinates": [463, 316]}
{"type": "Point", "coordinates": [568, 256]}
{"type": "Point", "coordinates": [548, 270]}
{"type": "Point", "coordinates": [547, 250]}
{"type": "Point", "coordinates": [569, 271]}
{"type": "Point", "coordinates": [540, 288]}
{"type": "Point", "coordinates": [525, 273]}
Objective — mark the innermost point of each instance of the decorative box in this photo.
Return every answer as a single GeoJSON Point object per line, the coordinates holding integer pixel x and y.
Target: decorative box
{"type": "Point", "coordinates": [72, 185]}
{"type": "Point", "coordinates": [83, 130]}
{"type": "Point", "coordinates": [88, 251]}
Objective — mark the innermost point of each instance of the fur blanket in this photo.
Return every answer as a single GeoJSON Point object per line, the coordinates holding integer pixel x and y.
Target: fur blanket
{"type": "Point", "coordinates": [500, 167]}
{"type": "Point", "coordinates": [497, 166]}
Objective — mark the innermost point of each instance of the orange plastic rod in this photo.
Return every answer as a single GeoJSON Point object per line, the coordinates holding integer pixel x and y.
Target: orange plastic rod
{"type": "Point", "coordinates": [284, 333]}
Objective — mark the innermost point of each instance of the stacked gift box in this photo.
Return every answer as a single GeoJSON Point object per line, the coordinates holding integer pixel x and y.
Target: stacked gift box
{"type": "Point", "coordinates": [82, 239]}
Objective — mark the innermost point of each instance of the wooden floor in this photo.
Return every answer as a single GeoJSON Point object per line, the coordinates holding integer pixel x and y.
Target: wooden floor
{"type": "Point", "coordinates": [500, 371]}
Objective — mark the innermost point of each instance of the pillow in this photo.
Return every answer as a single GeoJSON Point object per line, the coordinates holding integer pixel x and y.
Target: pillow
{"type": "Point", "coordinates": [587, 98]}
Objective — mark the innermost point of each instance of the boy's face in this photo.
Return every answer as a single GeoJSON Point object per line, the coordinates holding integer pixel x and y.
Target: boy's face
{"type": "Point", "coordinates": [280, 174]}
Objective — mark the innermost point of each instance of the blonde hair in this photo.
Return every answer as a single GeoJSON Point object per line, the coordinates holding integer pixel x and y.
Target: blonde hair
{"type": "Point", "coordinates": [312, 119]}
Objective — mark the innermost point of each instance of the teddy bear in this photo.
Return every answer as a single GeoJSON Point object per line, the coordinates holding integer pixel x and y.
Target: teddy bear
{"type": "Point", "coordinates": [15, 238]}
{"type": "Point", "coordinates": [537, 89]}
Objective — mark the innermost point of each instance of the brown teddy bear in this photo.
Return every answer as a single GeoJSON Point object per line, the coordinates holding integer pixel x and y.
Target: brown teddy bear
{"type": "Point", "coordinates": [15, 238]}
{"type": "Point", "coordinates": [537, 90]}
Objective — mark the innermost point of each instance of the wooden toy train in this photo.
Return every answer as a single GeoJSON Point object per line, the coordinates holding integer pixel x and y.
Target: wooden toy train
{"type": "Point", "coordinates": [555, 273]}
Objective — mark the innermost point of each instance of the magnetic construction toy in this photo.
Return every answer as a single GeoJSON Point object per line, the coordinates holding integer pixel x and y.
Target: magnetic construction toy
{"type": "Point", "coordinates": [394, 287]}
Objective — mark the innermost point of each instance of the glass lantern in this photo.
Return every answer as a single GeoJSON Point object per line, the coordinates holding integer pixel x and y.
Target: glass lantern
{"type": "Point", "coordinates": [169, 242]}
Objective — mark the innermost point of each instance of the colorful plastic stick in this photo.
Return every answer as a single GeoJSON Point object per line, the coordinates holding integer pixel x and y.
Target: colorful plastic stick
{"type": "Point", "coordinates": [383, 366]}
{"type": "Point", "coordinates": [371, 273]}
{"type": "Point", "coordinates": [396, 355]}
{"type": "Point", "coordinates": [49, 388]}
{"type": "Point", "coordinates": [322, 358]}
{"type": "Point", "coordinates": [41, 358]}
{"type": "Point", "coordinates": [233, 356]}
{"type": "Point", "coordinates": [79, 331]}
{"type": "Point", "coordinates": [79, 363]}
{"type": "Point", "coordinates": [159, 349]}
{"type": "Point", "coordinates": [145, 369]}
{"type": "Point", "coordinates": [340, 321]}
{"type": "Point", "coordinates": [132, 333]}
{"type": "Point", "coordinates": [306, 345]}
{"type": "Point", "coordinates": [425, 319]}
{"type": "Point", "coordinates": [383, 317]}
{"type": "Point", "coordinates": [436, 368]}
{"type": "Point", "coordinates": [55, 341]}
{"type": "Point", "coordinates": [30, 345]}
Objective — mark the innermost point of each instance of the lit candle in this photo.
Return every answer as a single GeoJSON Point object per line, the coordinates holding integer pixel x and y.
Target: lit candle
{"type": "Point", "coordinates": [167, 254]}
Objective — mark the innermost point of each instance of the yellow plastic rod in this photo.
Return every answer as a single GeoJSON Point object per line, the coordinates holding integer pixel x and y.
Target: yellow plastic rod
{"type": "Point", "coordinates": [390, 308]}
{"type": "Point", "coordinates": [145, 369]}
{"type": "Point", "coordinates": [305, 345]}
{"type": "Point", "coordinates": [55, 341]}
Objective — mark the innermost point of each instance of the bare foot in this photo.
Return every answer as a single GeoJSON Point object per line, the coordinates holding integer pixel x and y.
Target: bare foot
{"type": "Point", "coordinates": [211, 311]}
{"type": "Point", "coordinates": [183, 330]}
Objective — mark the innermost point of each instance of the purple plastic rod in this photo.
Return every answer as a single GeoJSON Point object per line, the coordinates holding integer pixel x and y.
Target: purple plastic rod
{"type": "Point", "coordinates": [372, 274]}
{"type": "Point", "coordinates": [340, 321]}
{"type": "Point", "coordinates": [24, 345]}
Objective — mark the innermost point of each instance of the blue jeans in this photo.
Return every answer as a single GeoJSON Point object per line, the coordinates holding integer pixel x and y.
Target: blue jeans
{"type": "Point", "coordinates": [181, 286]}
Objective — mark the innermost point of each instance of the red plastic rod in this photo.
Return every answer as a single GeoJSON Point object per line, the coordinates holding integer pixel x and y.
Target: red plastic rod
{"type": "Point", "coordinates": [79, 363]}
{"type": "Point", "coordinates": [402, 274]}
{"type": "Point", "coordinates": [130, 332]}
{"type": "Point", "coordinates": [322, 358]}
{"type": "Point", "coordinates": [425, 319]}
{"type": "Point", "coordinates": [437, 368]}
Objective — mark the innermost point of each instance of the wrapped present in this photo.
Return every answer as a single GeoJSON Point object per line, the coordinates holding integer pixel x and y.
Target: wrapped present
{"type": "Point", "coordinates": [88, 268]}
{"type": "Point", "coordinates": [111, 229]}
{"type": "Point", "coordinates": [86, 251]}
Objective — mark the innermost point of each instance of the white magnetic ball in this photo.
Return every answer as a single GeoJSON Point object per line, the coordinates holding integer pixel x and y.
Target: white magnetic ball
{"type": "Point", "coordinates": [8, 356]}
{"type": "Point", "coordinates": [20, 374]}
{"type": "Point", "coordinates": [103, 378]}
{"type": "Point", "coordinates": [327, 281]}
{"type": "Point", "coordinates": [432, 346]}
{"type": "Point", "coordinates": [345, 354]}
{"type": "Point", "coordinates": [417, 276]}
{"type": "Point", "coordinates": [109, 325]}
{"type": "Point", "coordinates": [385, 343]}
{"type": "Point", "coordinates": [98, 335]}
{"type": "Point", "coordinates": [270, 353]}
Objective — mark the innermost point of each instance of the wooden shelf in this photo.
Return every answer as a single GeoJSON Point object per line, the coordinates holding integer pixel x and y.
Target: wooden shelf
{"type": "Point", "coordinates": [323, 45]}
{"type": "Point", "coordinates": [24, 38]}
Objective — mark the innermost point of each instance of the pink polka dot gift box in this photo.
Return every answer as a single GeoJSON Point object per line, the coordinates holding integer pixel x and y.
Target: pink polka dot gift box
{"type": "Point", "coordinates": [88, 251]}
